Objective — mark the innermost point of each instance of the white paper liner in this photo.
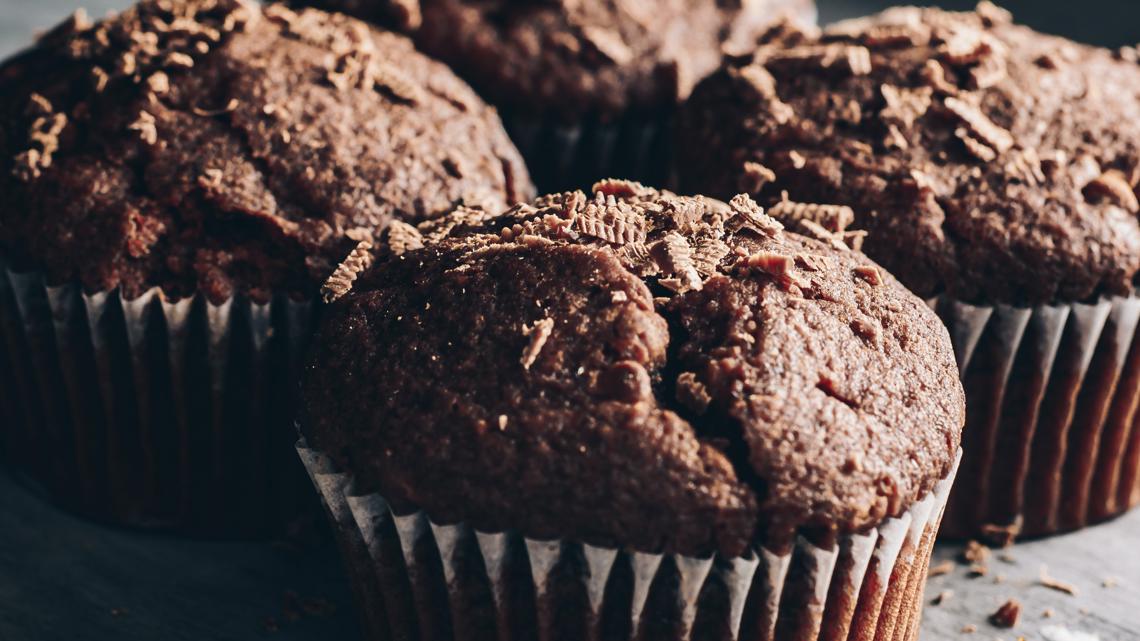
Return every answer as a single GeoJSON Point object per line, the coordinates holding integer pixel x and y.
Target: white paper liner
{"type": "Point", "coordinates": [416, 579]}
{"type": "Point", "coordinates": [154, 413]}
{"type": "Point", "coordinates": [1052, 441]}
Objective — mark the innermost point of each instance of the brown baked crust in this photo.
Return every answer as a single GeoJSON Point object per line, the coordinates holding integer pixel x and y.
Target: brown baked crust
{"type": "Point", "coordinates": [212, 146]}
{"type": "Point", "coordinates": [987, 161]}
{"type": "Point", "coordinates": [699, 381]}
{"type": "Point", "coordinates": [569, 60]}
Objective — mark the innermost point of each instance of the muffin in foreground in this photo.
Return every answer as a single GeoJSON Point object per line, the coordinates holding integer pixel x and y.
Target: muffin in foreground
{"type": "Point", "coordinates": [586, 88]}
{"type": "Point", "coordinates": [631, 414]}
{"type": "Point", "coordinates": [993, 170]}
{"type": "Point", "coordinates": [178, 180]}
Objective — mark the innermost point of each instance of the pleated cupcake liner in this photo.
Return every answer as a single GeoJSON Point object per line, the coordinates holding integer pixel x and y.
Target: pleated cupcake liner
{"type": "Point", "coordinates": [415, 579]}
{"type": "Point", "coordinates": [152, 413]}
{"type": "Point", "coordinates": [1052, 436]}
{"type": "Point", "coordinates": [564, 157]}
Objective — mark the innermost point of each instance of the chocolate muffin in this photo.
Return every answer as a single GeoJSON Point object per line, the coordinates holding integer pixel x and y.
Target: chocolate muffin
{"type": "Point", "coordinates": [585, 87]}
{"type": "Point", "coordinates": [993, 170]}
{"type": "Point", "coordinates": [641, 372]}
{"type": "Point", "coordinates": [179, 179]}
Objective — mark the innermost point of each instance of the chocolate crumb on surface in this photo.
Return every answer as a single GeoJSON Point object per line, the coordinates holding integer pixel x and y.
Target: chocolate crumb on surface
{"type": "Point", "coordinates": [724, 396]}
{"type": "Point", "coordinates": [987, 161]}
{"type": "Point", "coordinates": [940, 569]}
{"type": "Point", "coordinates": [582, 58]}
{"type": "Point", "coordinates": [1045, 580]}
{"type": "Point", "coordinates": [1008, 615]}
{"type": "Point", "coordinates": [222, 147]}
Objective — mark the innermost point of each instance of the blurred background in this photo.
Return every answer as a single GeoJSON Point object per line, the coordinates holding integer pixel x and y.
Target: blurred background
{"type": "Point", "coordinates": [1110, 23]}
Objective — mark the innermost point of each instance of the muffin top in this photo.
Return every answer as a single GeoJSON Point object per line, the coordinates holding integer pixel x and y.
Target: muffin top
{"type": "Point", "coordinates": [569, 59]}
{"type": "Point", "coordinates": [987, 162]}
{"type": "Point", "coordinates": [637, 369]}
{"type": "Point", "coordinates": [214, 146]}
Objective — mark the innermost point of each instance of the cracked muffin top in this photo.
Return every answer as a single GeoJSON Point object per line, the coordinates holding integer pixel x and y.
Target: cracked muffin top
{"type": "Point", "coordinates": [579, 58]}
{"type": "Point", "coordinates": [634, 368]}
{"type": "Point", "coordinates": [213, 146]}
{"type": "Point", "coordinates": [987, 161]}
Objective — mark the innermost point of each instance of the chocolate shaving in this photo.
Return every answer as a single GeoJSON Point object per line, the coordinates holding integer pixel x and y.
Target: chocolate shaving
{"type": "Point", "coordinates": [609, 44]}
{"type": "Point", "coordinates": [1002, 535]}
{"type": "Point", "coordinates": [762, 87]}
{"type": "Point", "coordinates": [692, 393]}
{"type": "Point", "coordinates": [755, 176]}
{"type": "Point", "coordinates": [905, 106]}
{"type": "Point", "coordinates": [748, 213]}
{"type": "Point", "coordinates": [1008, 615]}
{"type": "Point", "coordinates": [964, 45]}
{"type": "Point", "coordinates": [976, 147]}
{"type": "Point", "coordinates": [395, 83]}
{"type": "Point", "coordinates": [538, 334]}
{"type": "Point", "coordinates": [675, 257]}
{"type": "Point", "coordinates": [341, 280]}
{"type": "Point", "coordinates": [1112, 186]}
{"type": "Point", "coordinates": [43, 136]}
{"type": "Point", "coordinates": [708, 254]}
{"type": "Point", "coordinates": [945, 567]}
{"type": "Point", "coordinates": [403, 237]}
{"type": "Point", "coordinates": [942, 597]}
{"type": "Point", "coordinates": [850, 58]}
{"type": "Point", "coordinates": [935, 76]}
{"type": "Point", "coordinates": [1047, 581]}
{"type": "Point", "coordinates": [620, 188]}
{"type": "Point", "coordinates": [870, 274]}
{"type": "Point", "coordinates": [980, 125]}
{"type": "Point", "coordinates": [146, 126]}
{"type": "Point", "coordinates": [612, 221]}
{"type": "Point", "coordinates": [896, 35]}
{"type": "Point", "coordinates": [834, 218]}
{"type": "Point", "coordinates": [988, 72]}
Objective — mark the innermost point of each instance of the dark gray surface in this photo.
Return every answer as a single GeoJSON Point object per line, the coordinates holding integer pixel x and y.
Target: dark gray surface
{"type": "Point", "coordinates": [63, 579]}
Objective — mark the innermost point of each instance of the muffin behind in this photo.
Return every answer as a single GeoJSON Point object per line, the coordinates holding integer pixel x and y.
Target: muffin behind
{"type": "Point", "coordinates": [993, 170]}
{"type": "Point", "coordinates": [179, 179]}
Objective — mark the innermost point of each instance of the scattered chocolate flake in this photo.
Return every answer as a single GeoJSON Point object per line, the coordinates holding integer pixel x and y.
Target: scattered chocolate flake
{"type": "Point", "coordinates": [395, 83]}
{"type": "Point", "coordinates": [896, 35]}
{"type": "Point", "coordinates": [99, 79]}
{"type": "Point", "coordinates": [964, 45]}
{"type": "Point", "coordinates": [818, 231]}
{"type": "Point", "coordinates": [1002, 536]}
{"type": "Point", "coordinates": [976, 148]}
{"type": "Point", "coordinates": [834, 218]}
{"type": "Point", "coordinates": [755, 176]}
{"type": "Point", "coordinates": [975, 552]}
{"type": "Point", "coordinates": [609, 44]}
{"type": "Point", "coordinates": [993, 15]}
{"type": "Point", "coordinates": [748, 213]}
{"type": "Point", "coordinates": [612, 221]}
{"type": "Point", "coordinates": [503, 420]}
{"type": "Point", "coordinates": [1112, 186]}
{"type": "Point", "coordinates": [158, 83]}
{"type": "Point", "coordinates": [409, 15]}
{"type": "Point", "coordinates": [854, 239]}
{"type": "Point", "coordinates": [851, 58]}
{"type": "Point", "coordinates": [692, 393]}
{"type": "Point", "coordinates": [44, 138]}
{"type": "Point", "coordinates": [905, 106]}
{"type": "Point", "coordinates": [179, 59]}
{"type": "Point", "coordinates": [1048, 613]}
{"type": "Point", "coordinates": [770, 262]}
{"type": "Point", "coordinates": [870, 274]}
{"type": "Point", "coordinates": [145, 125]}
{"type": "Point", "coordinates": [619, 297]}
{"type": "Point", "coordinates": [675, 257]}
{"type": "Point", "coordinates": [708, 252]}
{"type": "Point", "coordinates": [340, 283]}
{"type": "Point", "coordinates": [987, 73]}
{"type": "Point", "coordinates": [969, 628]}
{"type": "Point", "coordinates": [1008, 615]}
{"type": "Point", "coordinates": [1025, 164]}
{"type": "Point", "coordinates": [762, 87]}
{"type": "Point", "coordinates": [866, 328]}
{"type": "Point", "coordinates": [942, 597]}
{"type": "Point", "coordinates": [943, 568]}
{"type": "Point", "coordinates": [620, 188]}
{"type": "Point", "coordinates": [980, 125]}
{"type": "Point", "coordinates": [538, 334]}
{"type": "Point", "coordinates": [230, 106]}
{"type": "Point", "coordinates": [935, 76]}
{"type": "Point", "coordinates": [1110, 582]}
{"type": "Point", "coordinates": [1047, 581]}
{"type": "Point", "coordinates": [403, 237]}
